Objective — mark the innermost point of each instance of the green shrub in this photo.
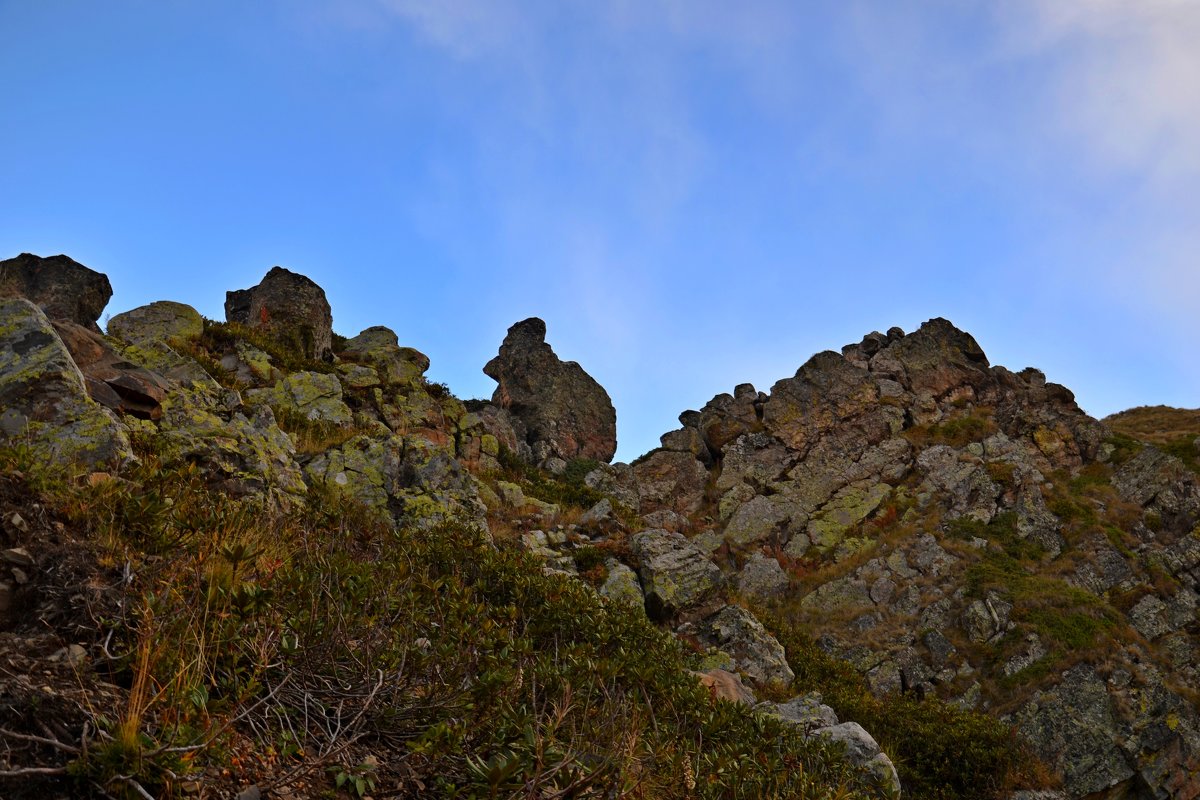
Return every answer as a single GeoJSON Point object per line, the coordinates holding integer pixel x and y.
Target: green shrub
{"type": "Point", "coordinates": [326, 635]}
{"type": "Point", "coordinates": [940, 751]}
{"type": "Point", "coordinates": [569, 490]}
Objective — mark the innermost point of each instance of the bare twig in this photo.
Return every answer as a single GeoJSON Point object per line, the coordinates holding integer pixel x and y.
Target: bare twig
{"type": "Point", "coordinates": [17, 773]}
{"type": "Point", "coordinates": [55, 743]}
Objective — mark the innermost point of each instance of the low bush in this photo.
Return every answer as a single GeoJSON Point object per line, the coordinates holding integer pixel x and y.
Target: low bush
{"type": "Point", "coordinates": [941, 751]}
{"type": "Point", "coordinates": [319, 648]}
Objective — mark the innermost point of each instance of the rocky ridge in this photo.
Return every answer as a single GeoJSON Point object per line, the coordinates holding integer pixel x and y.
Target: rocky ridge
{"type": "Point", "coordinates": [950, 528]}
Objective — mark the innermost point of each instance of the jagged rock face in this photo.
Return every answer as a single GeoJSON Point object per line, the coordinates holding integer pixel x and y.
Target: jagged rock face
{"type": "Point", "coordinates": [908, 468]}
{"type": "Point", "coordinates": [43, 398]}
{"type": "Point", "coordinates": [291, 308]}
{"type": "Point", "coordinates": [565, 412]}
{"type": "Point", "coordinates": [112, 380]}
{"type": "Point", "coordinates": [62, 287]}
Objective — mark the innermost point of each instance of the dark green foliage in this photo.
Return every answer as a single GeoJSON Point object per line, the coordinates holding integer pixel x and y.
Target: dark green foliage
{"type": "Point", "coordinates": [941, 751]}
{"type": "Point", "coordinates": [1184, 449]}
{"type": "Point", "coordinates": [462, 668]}
{"type": "Point", "coordinates": [1124, 448]}
{"type": "Point", "coordinates": [578, 469]}
{"type": "Point", "coordinates": [438, 391]}
{"type": "Point", "coordinates": [1002, 530]}
{"type": "Point", "coordinates": [221, 337]}
{"type": "Point", "coordinates": [568, 490]}
{"type": "Point", "coordinates": [1066, 617]}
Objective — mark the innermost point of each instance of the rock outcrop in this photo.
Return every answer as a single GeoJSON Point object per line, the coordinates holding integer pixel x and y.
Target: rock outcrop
{"type": "Point", "coordinates": [291, 308]}
{"type": "Point", "coordinates": [44, 401]}
{"type": "Point", "coordinates": [561, 410]}
{"type": "Point", "coordinates": [62, 287]}
{"type": "Point", "coordinates": [949, 528]}
{"type": "Point", "coordinates": [944, 500]}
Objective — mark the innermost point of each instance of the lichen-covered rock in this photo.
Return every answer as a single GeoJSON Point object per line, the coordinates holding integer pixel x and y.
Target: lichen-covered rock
{"type": "Point", "coordinates": [621, 585]}
{"type": "Point", "coordinates": [863, 751]}
{"type": "Point", "coordinates": [760, 519]}
{"type": "Point", "coordinates": [762, 578]}
{"type": "Point", "coordinates": [1162, 484]}
{"type": "Point", "coordinates": [290, 308]}
{"type": "Point", "coordinates": [1073, 726]}
{"type": "Point", "coordinates": [963, 487]}
{"type": "Point", "coordinates": [565, 412]}
{"type": "Point", "coordinates": [44, 401]}
{"type": "Point", "coordinates": [676, 575]}
{"type": "Point", "coordinates": [161, 321]}
{"type": "Point", "coordinates": [758, 655]}
{"type": "Point", "coordinates": [314, 395]}
{"type": "Point", "coordinates": [806, 712]}
{"type": "Point", "coordinates": [247, 455]}
{"type": "Point", "coordinates": [848, 508]}
{"type": "Point", "coordinates": [365, 468]}
{"type": "Point", "coordinates": [380, 347]}
{"type": "Point", "coordinates": [61, 287]}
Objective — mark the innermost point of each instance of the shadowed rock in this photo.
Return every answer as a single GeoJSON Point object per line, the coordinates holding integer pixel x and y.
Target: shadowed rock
{"type": "Point", "coordinates": [289, 307]}
{"type": "Point", "coordinates": [565, 412]}
{"type": "Point", "coordinates": [61, 286]}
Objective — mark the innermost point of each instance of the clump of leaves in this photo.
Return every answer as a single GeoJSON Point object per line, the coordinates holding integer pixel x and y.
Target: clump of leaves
{"type": "Point", "coordinates": [323, 634]}
{"type": "Point", "coordinates": [567, 490]}
{"type": "Point", "coordinates": [941, 751]}
{"type": "Point", "coordinates": [312, 435]}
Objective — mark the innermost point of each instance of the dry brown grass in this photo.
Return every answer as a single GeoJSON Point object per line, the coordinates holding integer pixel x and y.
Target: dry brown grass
{"type": "Point", "coordinates": [1156, 424]}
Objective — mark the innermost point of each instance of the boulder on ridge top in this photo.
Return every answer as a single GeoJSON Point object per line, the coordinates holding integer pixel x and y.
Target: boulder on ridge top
{"type": "Point", "coordinates": [61, 286]}
{"type": "Point", "coordinates": [160, 321]}
{"type": "Point", "coordinates": [289, 307]}
{"type": "Point", "coordinates": [566, 413]}
{"type": "Point", "coordinates": [380, 345]}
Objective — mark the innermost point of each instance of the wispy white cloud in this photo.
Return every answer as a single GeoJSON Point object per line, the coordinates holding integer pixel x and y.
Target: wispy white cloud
{"type": "Point", "coordinates": [1125, 78]}
{"type": "Point", "coordinates": [467, 28]}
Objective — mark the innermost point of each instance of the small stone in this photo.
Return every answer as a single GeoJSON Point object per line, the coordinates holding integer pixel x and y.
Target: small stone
{"type": "Point", "coordinates": [18, 522]}
{"type": "Point", "coordinates": [600, 513]}
{"type": "Point", "coordinates": [17, 556]}
{"type": "Point", "coordinates": [19, 576]}
{"type": "Point", "coordinates": [72, 654]}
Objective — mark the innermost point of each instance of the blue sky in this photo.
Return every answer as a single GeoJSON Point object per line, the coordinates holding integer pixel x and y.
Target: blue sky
{"type": "Point", "coordinates": [691, 196]}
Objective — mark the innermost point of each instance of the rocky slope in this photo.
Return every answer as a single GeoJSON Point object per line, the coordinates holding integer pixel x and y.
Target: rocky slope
{"type": "Point", "coordinates": [946, 529]}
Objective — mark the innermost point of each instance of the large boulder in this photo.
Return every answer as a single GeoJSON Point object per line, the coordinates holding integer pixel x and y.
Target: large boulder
{"type": "Point", "coordinates": [755, 652]}
{"type": "Point", "coordinates": [676, 575]}
{"type": "Point", "coordinates": [289, 307]}
{"type": "Point", "coordinates": [161, 321]}
{"type": "Point", "coordinates": [43, 397]}
{"type": "Point", "coordinates": [863, 751]}
{"type": "Point", "coordinates": [380, 347]}
{"type": "Point", "coordinates": [566, 413]}
{"type": "Point", "coordinates": [62, 287]}
{"type": "Point", "coordinates": [242, 450]}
